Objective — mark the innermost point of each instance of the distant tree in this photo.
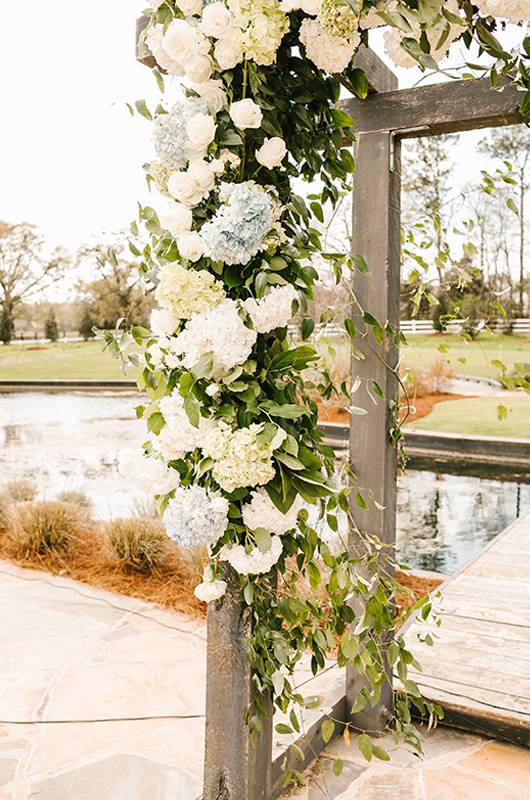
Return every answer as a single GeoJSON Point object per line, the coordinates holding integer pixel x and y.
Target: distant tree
{"type": "Point", "coordinates": [86, 324]}
{"type": "Point", "coordinates": [427, 167]}
{"type": "Point", "coordinates": [51, 329]}
{"type": "Point", "coordinates": [116, 293]}
{"type": "Point", "coordinates": [24, 270]}
{"type": "Point", "coordinates": [513, 144]}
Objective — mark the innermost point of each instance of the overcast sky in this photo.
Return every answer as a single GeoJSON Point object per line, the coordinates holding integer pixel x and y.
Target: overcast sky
{"type": "Point", "coordinates": [71, 153]}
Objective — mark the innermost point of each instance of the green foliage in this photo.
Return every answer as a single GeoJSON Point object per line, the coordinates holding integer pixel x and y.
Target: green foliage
{"type": "Point", "coordinates": [51, 329]}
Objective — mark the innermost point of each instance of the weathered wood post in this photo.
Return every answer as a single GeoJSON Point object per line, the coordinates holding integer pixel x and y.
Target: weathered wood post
{"type": "Point", "coordinates": [376, 236]}
{"type": "Point", "coordinates": [234, 767]}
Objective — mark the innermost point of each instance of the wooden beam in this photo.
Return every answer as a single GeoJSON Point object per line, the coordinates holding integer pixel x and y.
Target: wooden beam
{"type": "Point", "coordinates": [376, 236]}
{"type": "Point", "coordinates": [441, 108]}
{"type": "Point", "coordinates": [380, 77]}
{"type": "Point", "coordinates": [234, 767]}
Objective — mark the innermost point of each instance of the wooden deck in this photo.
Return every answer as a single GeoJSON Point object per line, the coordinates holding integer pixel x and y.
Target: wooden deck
{"type": "Point", "coordinates": [479, 666]}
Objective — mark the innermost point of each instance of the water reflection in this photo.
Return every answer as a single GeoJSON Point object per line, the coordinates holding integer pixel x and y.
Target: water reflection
{"type": "Point", "coordinates": [71, 441]}
{"type": "Point", "coordinates": [444, 520]}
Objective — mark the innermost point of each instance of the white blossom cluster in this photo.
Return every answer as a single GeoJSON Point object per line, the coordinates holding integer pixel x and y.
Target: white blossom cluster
{"type": "Point", "coordinates": [513, 10]}
{"type": "Point", "coordinates": [272, 311]}
{"type": "Point", "coordinates": [328, 51]}
{"type": "Point", "coordinates": [196, 517]}
{"type": "Point", "coordinates": [147, 471]}
{"type": "Point", "coordinates": [252, 561]}
{"type": "Point", "coordinates": [184, 292]}
{"type": "Point", "coordinates": [210, 590]}
{"type": "Point", "coordinates": [262, 513]}
{"type": "Point", "coordinates": [241, 458]}
{"type": "Point", "coordinates": [220, 331]}
{"type": "Point", "coordinates": [178, 436]}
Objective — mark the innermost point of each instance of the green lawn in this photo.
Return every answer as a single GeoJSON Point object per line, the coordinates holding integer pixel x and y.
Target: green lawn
{"type": "Point", "coordinates": [72, 360]}
{"type": "Point", "coordinates": [468, 358]}
{"type": "Point", "coordinates": [479, 416]}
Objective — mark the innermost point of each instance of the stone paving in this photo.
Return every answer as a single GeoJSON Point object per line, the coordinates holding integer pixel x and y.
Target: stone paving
{"type": "Point", "coordinates": [102, 698]}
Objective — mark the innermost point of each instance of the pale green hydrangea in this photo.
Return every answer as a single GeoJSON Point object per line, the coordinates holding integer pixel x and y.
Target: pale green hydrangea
{"type": "Point", "coordinates": [263, 25]}
{"type": "Point", "coordinates": [187, 291]}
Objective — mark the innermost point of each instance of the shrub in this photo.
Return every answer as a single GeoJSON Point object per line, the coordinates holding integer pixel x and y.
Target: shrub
{"type": "Point", "coordinates": [45, 527]}
{"type": "Point", "coordinates": [21, 491]}
{"type": "Point", "coordinates": [75, 499]}
{"type": "Point", "coordinates": [431, 380]}
{"type": "Point", "coordinates": [6, 516]}
{"type": "Point", "coordinates": [138, 542]}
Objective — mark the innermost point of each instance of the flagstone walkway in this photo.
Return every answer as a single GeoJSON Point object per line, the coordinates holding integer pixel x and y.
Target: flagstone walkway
{"type": "Point", "coordinates": [102, 698]}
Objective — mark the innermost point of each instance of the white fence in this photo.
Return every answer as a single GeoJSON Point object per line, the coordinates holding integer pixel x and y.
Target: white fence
{"type": "Point", "coordinates": [455, 326]}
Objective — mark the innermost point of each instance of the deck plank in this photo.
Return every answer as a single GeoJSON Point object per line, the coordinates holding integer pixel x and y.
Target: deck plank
{"type": "Point", "coordinates": [479, 666]}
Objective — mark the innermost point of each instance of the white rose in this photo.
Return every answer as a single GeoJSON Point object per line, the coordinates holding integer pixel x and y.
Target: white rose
{"type": "Point", "coordinates": [163, 322]}
{"type": "Point", "coordinates": [311, 7]}
{"type": "Point", "coordinates": [176, 218]}
{"type": "Point", "coordinates": [190, 7]}
{"type": "Point", "coordinates": [208, 591]}
{"type": "Point", "coordinates": [230, 158]}
{"type": "Point", "coordinates": [272, 152]}
{"type": "Point", "coordinates": [213, 94]}
{"type": "Point", "coordinates": [201, 133]}
{"type": "Point", "coordinates": [199, 69]}
{"type": "Point", "coordinates": [218, 165]}
{"type": "Point", "coordinates": [216, 21]}
{"type": "Point", "coordinates": [213, 389]}
{"type": "Point", "coordinates": [203, 175]}
{"type": "Point", "coordinates": [246, 114]}
{"type": "Point", "coordinates": [228, 52]}
{"type": "Point", "coordinates": [180, 40]}
{"type": "Point", "coordinates": [190, 246]}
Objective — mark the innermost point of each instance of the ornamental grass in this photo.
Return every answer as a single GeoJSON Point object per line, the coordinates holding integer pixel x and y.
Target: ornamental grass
{"type": "Point", "coordinates": [76, 499]}
{"type": "Point", "coordinates": [44, 527]}
{"type": "Point", "coordinates": [138, 542]}
{"type": "Point", "coordinates": [20, 491]}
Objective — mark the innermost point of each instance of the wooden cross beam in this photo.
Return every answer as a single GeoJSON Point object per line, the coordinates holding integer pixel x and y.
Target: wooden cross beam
{"type": "Point", "coordinates": [381, 121]}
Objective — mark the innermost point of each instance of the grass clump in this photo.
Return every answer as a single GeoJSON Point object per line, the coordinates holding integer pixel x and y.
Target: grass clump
{"type": "Point", "coordinates": [75, 499]}
{"type": "Point", "coordinates": [20, 491]}
{"type": "Point", "coordinates": [44, 528]}
{"type": "Point", "coordinates": [139, 543]}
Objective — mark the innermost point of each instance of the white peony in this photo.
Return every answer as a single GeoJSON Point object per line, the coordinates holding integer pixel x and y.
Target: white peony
{"type": "Point", "coordinates": [328, 52]}
{"type": "Point", "coordinates": [208, 591]}
{"type": "Point", "coordinates": [254, 562]}
{"type": "Point", "coordinates": [190, 7]}
{"type": "Point", "coordinates": [192, 186]}
{"type": "Point", "coordinates": [201, 132]}
{"type": "Point", "coordinates": [163, 321]}
{"type": "Point", "coordinates": [216, 21]}
{"type": "Point", "coordinates": [246, 114]}
{"type": "Point", "coordinates": [272, 311]}
{"type": "Point", "coordinates": [148, 472]}
{"type": "Point", "coordinates": [262, 513]}
{"type": "Point", "coordinates": [213, 94]}
{"type": "Point", "coordinates": [229, 52]}
{"type": "Point", "coordinates": [190, 246]}
{"type": "Point", "coordinates": [176, 218]}
{"type": "Point", "coordinates": [272, 152]}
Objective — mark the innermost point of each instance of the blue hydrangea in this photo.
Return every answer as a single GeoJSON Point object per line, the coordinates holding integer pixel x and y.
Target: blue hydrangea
{"type": "Point", "coordinates": [171, 140]}
{"type": "Point", "coordinates": [237, 232]}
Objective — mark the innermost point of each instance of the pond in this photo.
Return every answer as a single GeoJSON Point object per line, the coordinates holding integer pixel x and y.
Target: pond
{"type": "Point", "coordinates": [69, 441]}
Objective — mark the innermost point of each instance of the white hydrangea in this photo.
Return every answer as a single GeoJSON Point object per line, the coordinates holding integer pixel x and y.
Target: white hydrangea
{"type": "Point", "coordinates": [178, 436]}
{"type": "Point", "coordinates": [254, 562]}
{"type": "Point", "coordinates": [262, 513]}
{"type": "Point", "coordinates": [196, 517]}
{"type": "Point", "coordinates": [262, 25]}
{"type": "Point", "coordinates": [219, 330]}
{"type": "Point", "coordinates": [241, 458]}
{"type": "Point", "coordinates": [330, 53]}
{"type": "Point", "coordinates": [185, 292]}
{"type": "Point", "coordinates": [272, 311]}
{"type": "Point", "coordinates": [393, 49]}
{"type": "Point", "coordinates": [147, 471]}
{"type": "Point", "coordinates": [163, 321]}
{"type": "Point", "coordinates": [513, 10]}
{"type": "Point", "coordinates": [208, 591]}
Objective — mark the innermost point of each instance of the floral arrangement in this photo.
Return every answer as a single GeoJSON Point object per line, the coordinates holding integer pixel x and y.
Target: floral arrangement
{"type": "Point", "coordinates": [234, 455]}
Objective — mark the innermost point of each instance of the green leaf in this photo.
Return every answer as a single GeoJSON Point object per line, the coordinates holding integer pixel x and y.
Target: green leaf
{"type": "Point", "coordinates": [287, 411]}
{"type": "Point", "coordinates": [502, 412]}
{"type": "Point", "coordinates": [282, 728]}
{"type": "Point", "coordinates": [263, 539]}
{"type": "Point", "coordinates": [360, 263]}
{"type": "Point", "coordinates": [308, 326]}
{"type": "Point", "coordinates": [327, 730]}
{"type": "Point", "coordinates": [366, 746]}
{"type": "Point", "coordinates": [155, 423]}
{"type": "Point", "coordinates": [338, 766]}
{"type": "Point", "coordinates": [192, 409]}
{"type": "Point", "coordinates": [379, 753]}
{"type": "Point", "coordinates": [359, 83]}
{"type": "Point", "coordinates": [142, 109]}
{"type": "Point", "coordinates": [289, 461]}
{"type": "Point", "coordinates": [204, 366]}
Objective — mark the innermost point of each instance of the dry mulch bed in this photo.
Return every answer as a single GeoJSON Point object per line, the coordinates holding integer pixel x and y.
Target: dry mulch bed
{"type": "Point", "coordinates": [419, 408]}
